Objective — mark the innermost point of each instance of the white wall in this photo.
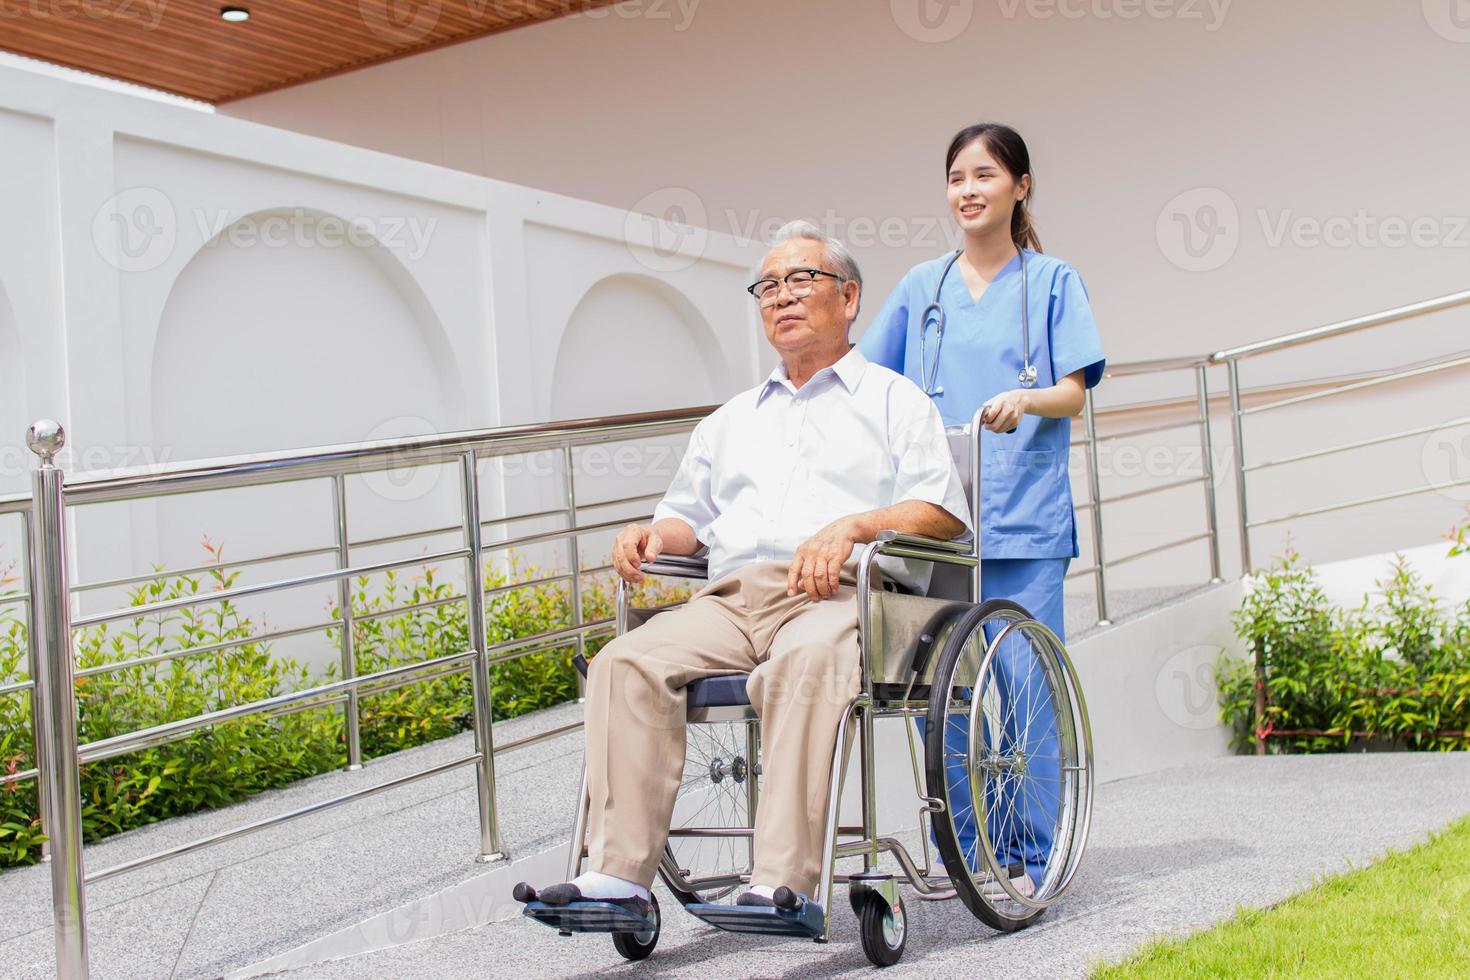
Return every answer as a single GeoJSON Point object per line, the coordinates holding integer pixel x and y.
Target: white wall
{"type": "Point", "coordinates": [1314, 108]}
{"type": "Point", "coordinates": [1149, 125]}
{"type": "Point", "coordinates": [176, 284]}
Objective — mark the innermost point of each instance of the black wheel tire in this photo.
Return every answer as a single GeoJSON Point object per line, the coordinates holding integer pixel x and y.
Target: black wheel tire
{"type": "Point", "coordinates": [638, 946]}
{"type": "Point", "coordinates": [884, 934]}
{"type": "Point", "coordinates": [934, 767]}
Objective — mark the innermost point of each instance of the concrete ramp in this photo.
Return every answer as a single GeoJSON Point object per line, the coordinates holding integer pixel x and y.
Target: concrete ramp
{"type": "Point", "coordinates": [398, 869]}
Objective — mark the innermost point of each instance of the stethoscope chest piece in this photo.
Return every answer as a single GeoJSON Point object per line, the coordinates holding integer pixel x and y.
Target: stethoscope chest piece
{"type": "Point", "coordinates": [934, 313]}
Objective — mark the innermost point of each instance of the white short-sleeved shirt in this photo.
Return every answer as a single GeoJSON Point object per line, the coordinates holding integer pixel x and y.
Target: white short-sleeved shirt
{"type": "Point", "coordinates": [775, 464]}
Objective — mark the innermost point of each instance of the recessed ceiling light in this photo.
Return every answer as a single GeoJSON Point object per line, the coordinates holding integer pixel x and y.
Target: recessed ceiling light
{"type": "Point", "coordinates": [235, 15]}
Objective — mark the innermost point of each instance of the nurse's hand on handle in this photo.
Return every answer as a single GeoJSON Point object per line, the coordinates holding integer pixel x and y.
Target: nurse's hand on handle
{"type": "Point", "coordinates": [1003, 412]}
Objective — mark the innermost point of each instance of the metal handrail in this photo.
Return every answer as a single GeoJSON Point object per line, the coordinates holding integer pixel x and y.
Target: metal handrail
{"type": "Point", "coordinates": [230, 472]}
{"type": "Point", "coordinates": [1154, 366]}
{"type": "Point", "coordinates": [52, 494]}
{"type": "Point", "coordinates": [1341, 327]}
{"type": "Point", "coordinates": [48, 589]}
{"type": "Point", "coordinates": [257, 588]}
{"type": "Point", "coordinates": [1232, 358]}
{"type": "Point", "coordinates": [1387, 378]}
{"type": "Point", "coordinates": [171, 731]}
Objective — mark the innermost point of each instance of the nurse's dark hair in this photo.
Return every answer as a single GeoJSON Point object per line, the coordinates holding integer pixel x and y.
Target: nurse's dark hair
{"type": "Point", "coordinates": [1009, 150]}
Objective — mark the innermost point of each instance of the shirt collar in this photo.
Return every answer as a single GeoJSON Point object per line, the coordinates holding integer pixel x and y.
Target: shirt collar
{"type": "Point", "coordinates": [849, 370]}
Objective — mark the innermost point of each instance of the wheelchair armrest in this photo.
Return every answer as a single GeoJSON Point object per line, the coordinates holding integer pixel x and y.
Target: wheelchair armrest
{"type": "Point", "coordinates": [923, 541]}
{"type": "Point", "coordinates": [679, 566]}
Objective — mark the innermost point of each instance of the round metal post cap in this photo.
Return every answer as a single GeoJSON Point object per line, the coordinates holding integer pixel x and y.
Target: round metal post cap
{"type": "Point", "coordinates": [45, 438]}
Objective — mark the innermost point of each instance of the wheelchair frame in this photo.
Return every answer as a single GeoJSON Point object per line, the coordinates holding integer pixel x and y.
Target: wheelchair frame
{"type": "Point", "coordinates": [889, 624]}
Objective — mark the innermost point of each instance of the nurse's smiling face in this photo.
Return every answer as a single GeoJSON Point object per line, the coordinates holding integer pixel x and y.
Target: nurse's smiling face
{"type": "Point", "coordinates": [811, 326]}
{"type": "Point", "coordinates": [983, 193]}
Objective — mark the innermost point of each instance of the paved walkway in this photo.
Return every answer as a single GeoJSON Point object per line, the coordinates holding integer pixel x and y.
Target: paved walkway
{"type": "Point", "coordinates": [1171, 852]}
{"type": "Point", "coordinates": [224, 907]}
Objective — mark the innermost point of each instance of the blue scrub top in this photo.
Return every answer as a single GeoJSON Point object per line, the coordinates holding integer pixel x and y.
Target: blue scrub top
{"type": "Point", "coordinates": [1026, 495]}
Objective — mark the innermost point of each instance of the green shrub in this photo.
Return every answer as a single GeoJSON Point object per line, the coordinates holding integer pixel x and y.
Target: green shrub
{"type": "Point", "coordinates": [231, 761]}
{"type": "Point", "coordinates": [20, 828]}
{"type": "Point", "coordinates": [1394, 670]}
{"type": "Point", "coordinates": [1460, 537]}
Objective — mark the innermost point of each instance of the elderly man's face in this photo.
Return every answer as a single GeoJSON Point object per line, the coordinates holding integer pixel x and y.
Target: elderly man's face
{"type": "Point", "coordinates": [816, 321]}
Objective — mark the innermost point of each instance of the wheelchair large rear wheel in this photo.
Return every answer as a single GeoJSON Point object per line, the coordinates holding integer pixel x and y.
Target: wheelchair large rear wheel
{"type": "Point", "coordinates": [1009, 752]}
{"type": "Point", "coordinates": [718, 791]}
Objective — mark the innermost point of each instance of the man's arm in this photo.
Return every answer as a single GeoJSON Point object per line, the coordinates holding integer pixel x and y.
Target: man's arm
{"type": "Point", "coordinates": [818, 563]}
{"type": "Point", "coordinates": [909, 517]}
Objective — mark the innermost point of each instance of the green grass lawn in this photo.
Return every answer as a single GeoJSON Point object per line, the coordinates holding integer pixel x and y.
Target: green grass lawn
{"type": "Point", "coordinates": [1406, 916]}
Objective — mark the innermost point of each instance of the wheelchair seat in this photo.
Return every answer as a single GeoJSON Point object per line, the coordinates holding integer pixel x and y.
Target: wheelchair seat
{"type": "Point", "coordinates": [720, 691]}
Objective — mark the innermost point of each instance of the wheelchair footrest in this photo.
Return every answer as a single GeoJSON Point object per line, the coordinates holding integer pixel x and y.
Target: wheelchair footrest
{"type": "Point", "coordinates": [588, 917]}
{"type": "Point", "coordinates": [806, 920]}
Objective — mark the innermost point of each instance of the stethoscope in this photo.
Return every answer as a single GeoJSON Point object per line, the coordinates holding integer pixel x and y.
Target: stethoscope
{"type": "Point", "coordinates": [1027, 377]}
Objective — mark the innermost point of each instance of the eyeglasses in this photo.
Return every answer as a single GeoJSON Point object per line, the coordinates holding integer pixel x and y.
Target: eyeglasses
{"type": "Point", "coordinates": [799, 282]}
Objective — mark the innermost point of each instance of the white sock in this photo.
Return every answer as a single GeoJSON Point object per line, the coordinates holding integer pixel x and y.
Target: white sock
{"type": "Point", "coordinates": [597, 886]}
{"type": "Point", "coordinates": [764, 891]}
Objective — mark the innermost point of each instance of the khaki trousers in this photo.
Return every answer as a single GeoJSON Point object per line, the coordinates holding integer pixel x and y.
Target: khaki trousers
{"type": "Point", "coordinates": [802, 658]}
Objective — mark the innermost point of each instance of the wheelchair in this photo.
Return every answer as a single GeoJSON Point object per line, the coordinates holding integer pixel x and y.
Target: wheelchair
{"type": "Point", "coordinates": [1004, 786]}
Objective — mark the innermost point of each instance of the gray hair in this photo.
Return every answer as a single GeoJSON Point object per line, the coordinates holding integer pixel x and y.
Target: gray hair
{"type": "Point", "coordinates": [838, 257]}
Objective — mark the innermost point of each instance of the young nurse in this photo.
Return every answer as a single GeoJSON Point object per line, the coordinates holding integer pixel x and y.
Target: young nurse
{"type": "Point", "coordinates": [955, 326]}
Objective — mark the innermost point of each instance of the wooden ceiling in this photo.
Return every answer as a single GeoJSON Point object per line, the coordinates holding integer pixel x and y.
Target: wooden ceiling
{"type": "Point", "coordinates": [187, 48]}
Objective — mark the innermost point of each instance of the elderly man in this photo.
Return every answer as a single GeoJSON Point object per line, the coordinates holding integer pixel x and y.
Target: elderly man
{"type": "Point", "coordinates": [780, 486]}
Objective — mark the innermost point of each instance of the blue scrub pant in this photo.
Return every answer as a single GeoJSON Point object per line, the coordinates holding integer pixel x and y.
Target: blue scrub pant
{"type": "Point", "coordinates": [1021, 825]}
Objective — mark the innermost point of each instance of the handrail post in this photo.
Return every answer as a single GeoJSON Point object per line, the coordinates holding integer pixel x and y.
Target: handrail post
{"type": "Point", "coordinates": [344, 603]}
{"type": "Point", "coordinates": [1237, 431]}
{"type": "Point", "coordinates": [474, 586]}
{"type": "Point", "coordinates": [55, 688]}
{"type": "Point", "coordinates": [1094, 489]}
{"type": "Point", "coordinates": [33, 668]}
{"type": "Point", "coordinates": [574, 559]}
{"type": "Point", "coordinates": [1207, 449]}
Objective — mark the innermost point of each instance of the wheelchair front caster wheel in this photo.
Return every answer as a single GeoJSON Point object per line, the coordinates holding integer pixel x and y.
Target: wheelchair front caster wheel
{"type": "Point", "coordinates": [883, 927]}
{"type": "Point", "coordinates": [638, 945]}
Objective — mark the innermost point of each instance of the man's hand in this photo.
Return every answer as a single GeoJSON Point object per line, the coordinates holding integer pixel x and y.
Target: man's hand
{"type": "Point", "coordinates": [635, 544]}
{"type": "Point", "coordinates": [819, 560]}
